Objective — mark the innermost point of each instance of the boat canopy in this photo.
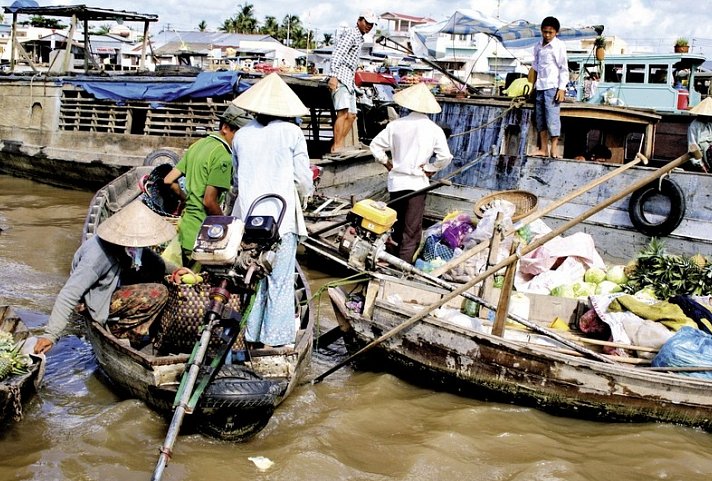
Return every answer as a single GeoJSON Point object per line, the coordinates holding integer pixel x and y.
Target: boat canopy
{"type": "Point", "coordinates": [206, 84]}
{"type": "Point", "coordinates": [517, 34]}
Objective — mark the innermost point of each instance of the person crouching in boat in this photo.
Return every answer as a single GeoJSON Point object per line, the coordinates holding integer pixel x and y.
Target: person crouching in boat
{"type": "Point", "coordinates": [412, 140]}
{"type": "Point", "coordinates": [207, 167]}
{"type": "Point", "coordinates": [116, 277]}
{"type": "Point", "coordinates": [699, 135]}
{"type": "Point", "coordinates": [270, 156]}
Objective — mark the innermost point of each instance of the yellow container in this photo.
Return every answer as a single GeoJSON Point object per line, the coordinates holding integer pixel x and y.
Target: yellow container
{"type": "Point", "coordinates": [375, 216]}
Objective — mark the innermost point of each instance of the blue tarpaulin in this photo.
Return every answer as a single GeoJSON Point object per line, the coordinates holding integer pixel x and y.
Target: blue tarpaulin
{"type": "Point", "coordinates": [206, 84]}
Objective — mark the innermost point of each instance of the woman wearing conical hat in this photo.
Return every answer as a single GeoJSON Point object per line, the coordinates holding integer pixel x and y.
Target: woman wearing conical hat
{"type": "Point", "coordinates": [412, 141]}
{"type": "Point", "coordinates": [115, 276]}
{"type": "Point", "coordinates": [699, 135]}
{"type": "Point", "coordinates": [270, 157]}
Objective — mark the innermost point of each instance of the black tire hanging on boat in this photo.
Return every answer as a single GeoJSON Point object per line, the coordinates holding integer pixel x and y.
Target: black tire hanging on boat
{"type": "Point", "coordinates": [667, 188]}
{"type": "Point", "coordinates": [161, 156]}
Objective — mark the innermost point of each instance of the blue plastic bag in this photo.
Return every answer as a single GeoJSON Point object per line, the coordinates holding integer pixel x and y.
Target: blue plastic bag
{"type": "Point", "coordinates": [688, 347]}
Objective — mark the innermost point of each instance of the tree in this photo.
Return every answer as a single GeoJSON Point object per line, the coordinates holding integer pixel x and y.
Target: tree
{"type": "Point", "coordinates": [270, 27]}
{"type": "Point", "coordinates": [328, 38]}
{"type": "Point", "coordinates": [102, 30]}
{"type": "Point", "coordinates": [44, 22]}
{"type": "Point", "coordinates": [291, 30]}
{"type": "Point", "coordinates": [246, 21]}
{"type": "Point", "coordinates": [202, 26]}
{"type": "Point", "coordinates": [229, 25]}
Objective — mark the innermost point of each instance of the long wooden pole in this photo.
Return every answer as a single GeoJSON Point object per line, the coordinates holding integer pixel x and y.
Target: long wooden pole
{"type": "Point", "coordinates": [539, 213]}
{"type": "Point", "coordinates": [505, 262]}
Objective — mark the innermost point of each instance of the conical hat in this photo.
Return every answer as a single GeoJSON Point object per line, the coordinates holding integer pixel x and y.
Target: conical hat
{"type": "Point", "coordinates": [271, 96]}
{"type": "Point", "coordinates": [418, 98]}
{"type": "Point", "coordinates": [703, 108]}
{"type": "Point", "coordinates": [136, 226]}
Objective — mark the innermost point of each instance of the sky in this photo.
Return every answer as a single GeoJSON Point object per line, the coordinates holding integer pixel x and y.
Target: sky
{"type": "Point", "coordinates": [641, 23]}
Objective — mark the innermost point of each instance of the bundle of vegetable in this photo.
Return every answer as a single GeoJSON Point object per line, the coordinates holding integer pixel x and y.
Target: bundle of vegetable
{"type": "Point", "coordinates": [669, 275]}
{"type": "Point", "coordinates": [12, 361]}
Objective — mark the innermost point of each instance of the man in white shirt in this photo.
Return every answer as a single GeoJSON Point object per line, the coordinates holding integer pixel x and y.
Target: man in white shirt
{"type": "Point", "coordinates": [549, 74]}
{"type": "Point", "coordinates": [412, 141]}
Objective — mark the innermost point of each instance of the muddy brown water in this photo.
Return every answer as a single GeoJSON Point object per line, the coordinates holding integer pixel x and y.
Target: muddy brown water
{"type": "Point", "coordinates": [353, 426]}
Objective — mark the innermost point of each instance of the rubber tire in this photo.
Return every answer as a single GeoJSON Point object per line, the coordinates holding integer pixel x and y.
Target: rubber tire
{"type": "Point", "coordinates": [161, 156]}
{"type": "Point", "coordinates": [669, 189]}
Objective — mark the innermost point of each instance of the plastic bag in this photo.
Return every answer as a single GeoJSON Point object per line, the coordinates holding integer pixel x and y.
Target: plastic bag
{"type": "Point", "coordinates": [688, 347]}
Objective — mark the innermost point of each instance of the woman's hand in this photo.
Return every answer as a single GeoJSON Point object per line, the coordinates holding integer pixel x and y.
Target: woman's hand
{"type": "Point", "coordinates": [43, 345]}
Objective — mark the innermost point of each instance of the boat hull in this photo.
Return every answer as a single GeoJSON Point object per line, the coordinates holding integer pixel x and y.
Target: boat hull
{"type": "Point", "coordinates": [445, 356]}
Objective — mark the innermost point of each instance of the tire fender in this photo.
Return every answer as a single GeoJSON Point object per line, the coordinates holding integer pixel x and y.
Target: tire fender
{"type": "Point", "coordinates": [667, 188]}
{"type": "Point", "coordinates": [161, 156]}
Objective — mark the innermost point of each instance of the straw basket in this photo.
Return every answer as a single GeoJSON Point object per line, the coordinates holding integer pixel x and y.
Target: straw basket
{"type": "Point", "coordinates": [525, 202]}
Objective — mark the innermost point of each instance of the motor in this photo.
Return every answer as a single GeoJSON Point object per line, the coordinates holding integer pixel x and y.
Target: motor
{"type": "Point", "coordinates": [375, 104]}
{"type": "Point", "coordinates": [367, 233]}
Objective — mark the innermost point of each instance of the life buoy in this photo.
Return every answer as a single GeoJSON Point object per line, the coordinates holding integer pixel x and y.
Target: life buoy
{"type": "Point", "coordinates": [636, 207]}
{"type": "Point", "coordinates": [161, 156]}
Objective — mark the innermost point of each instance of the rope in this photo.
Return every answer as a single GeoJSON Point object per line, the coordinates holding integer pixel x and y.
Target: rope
{"type": "Point", "coordinates": [516, 103]}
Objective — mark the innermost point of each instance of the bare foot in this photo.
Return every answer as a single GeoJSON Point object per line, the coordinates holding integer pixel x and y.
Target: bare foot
{"type": "Point", "coordinates": [539, 153]}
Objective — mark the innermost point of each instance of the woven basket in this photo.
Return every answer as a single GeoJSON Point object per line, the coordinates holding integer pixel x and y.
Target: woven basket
{"type": "Point", "coordinates": [525, 202]}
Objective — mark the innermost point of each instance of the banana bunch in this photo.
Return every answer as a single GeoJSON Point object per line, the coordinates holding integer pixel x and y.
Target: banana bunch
{"type": "Point", "coordinates": [12, 361]}
{"type": "Point", "coordinates": [669, 275]}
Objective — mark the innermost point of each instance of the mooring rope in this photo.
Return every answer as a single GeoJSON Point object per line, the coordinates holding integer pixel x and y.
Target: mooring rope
{"type": "Point", "coordinates": [516, 103]}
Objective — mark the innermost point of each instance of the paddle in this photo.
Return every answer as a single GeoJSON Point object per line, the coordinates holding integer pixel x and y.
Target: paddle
{"type": "Point", "coordinates": [505, 262]}
{"type": "Point", "coordinates": [434, 185]}
{"type": "Point", "coordinates": [540, 213]}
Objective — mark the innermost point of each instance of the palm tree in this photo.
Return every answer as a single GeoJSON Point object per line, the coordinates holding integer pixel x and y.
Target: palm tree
{"type": "Point", "coordinates": [328, 38]}
{"type": "Point", "coordinates": [229, 25]}
{"type": "Point", "coordinates": [202, 26]}
{"type": "Point", "coordinates": [246, 21]}
{"type": "Point", "coordinates": [291, 29]}
{"type": "Point", "coordinates": [270, 27]}
{"type": "Point", "coordinates": [102, 30]}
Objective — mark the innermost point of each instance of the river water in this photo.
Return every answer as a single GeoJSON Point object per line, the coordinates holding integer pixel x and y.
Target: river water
{"type": "Point", "coordinates": [353, 426]}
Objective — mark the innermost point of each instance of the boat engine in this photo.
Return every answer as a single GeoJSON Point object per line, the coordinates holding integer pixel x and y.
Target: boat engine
{"type": "Point", "coordinates": [366, 233]}
{"type": "Point", "coordinates": [240, 251]}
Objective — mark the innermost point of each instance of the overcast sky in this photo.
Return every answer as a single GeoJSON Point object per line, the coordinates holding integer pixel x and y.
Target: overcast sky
{"type": "Point", "coordinates": [646, 23]}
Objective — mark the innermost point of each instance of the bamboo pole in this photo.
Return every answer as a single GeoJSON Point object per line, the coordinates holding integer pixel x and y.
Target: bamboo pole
{"type": "Point", "coordinates": [540, 213]}
{"type": "Point", "coordinates": [512, 258]}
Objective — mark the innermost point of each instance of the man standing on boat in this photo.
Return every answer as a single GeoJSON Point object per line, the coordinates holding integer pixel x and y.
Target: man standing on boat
{"type": "Point", "coordinates": [412, 141]}
{"type": "Point", "coordinates": [270, 157]}
{"type": "Point", "coordinates": [116, 278]}
{"type": "Point", "coordinates": [207, 167]}
{"type": "Point", "coordinates": [549, 75]}
{"type": "Point", "coordinates": [344, 61]}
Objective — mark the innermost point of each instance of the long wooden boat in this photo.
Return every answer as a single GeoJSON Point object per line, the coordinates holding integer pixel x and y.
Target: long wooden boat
{"type": "Point", "coordinates": [15, 390]}
{"type": "Point", "coordinates": [241, 398]}
{"type": "Point", "coordinates": [520, 367]}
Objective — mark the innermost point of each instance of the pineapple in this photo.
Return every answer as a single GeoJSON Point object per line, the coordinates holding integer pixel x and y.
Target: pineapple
{"type": "Point", "coordinates": [5, 367]}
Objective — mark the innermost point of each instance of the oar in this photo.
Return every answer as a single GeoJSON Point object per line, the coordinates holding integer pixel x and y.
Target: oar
{"type": "Point", "coordinates": [456, 261]}
{"type": "Point", "coordinates": [505, 262]}
{"type": "Point", "coordinates": [434, 185]}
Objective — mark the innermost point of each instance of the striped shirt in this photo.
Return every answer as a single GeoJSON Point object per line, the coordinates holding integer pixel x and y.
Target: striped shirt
{"type": "Point", "coordinates": [345, 57]}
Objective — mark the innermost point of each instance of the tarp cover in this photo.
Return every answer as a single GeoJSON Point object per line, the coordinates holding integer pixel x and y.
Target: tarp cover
{"type": "Point", "coordinates": [206, 84]}
{"type": "Point", "coordinates": [517, 34]}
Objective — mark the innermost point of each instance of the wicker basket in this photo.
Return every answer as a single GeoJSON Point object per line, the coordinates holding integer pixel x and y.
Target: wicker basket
{"type": "Point", "coordinates": [525, 202]}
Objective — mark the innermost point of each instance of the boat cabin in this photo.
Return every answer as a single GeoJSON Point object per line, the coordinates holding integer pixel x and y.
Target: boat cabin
{"type": "Point", "coordinates": [662, 82]}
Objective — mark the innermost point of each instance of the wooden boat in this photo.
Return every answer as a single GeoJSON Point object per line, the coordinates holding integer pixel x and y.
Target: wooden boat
{"type": "Point", "coordinates": [241, 398]}
{"type": "Point", "coordinates": [521, 367]}
{"type": "Point", "coordinates": [15, 390]}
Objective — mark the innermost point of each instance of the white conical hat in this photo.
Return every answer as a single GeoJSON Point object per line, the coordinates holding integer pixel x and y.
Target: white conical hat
{"type": "Point", "coordinates": [136, 226]}
{"type": "Point", "coordinates": [418, 98]}
{"type": "Point", "coordinates": [703, 108]}
{"type": "Point", "coordinates": [272, 96]}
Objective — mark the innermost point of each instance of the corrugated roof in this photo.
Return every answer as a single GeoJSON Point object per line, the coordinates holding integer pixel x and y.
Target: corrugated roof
{"type": "Point", "coordinates": [84, 13]}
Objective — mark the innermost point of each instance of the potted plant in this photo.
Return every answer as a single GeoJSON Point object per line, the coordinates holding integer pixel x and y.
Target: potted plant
{"type": "Point", "coordinates": [682, 45]}
{"type": "Point", "coordinates": [599, 45]}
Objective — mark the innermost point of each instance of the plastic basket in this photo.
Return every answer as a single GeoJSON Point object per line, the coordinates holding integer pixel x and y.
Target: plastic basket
{"type": "Point", "coordinates": [524, 202]}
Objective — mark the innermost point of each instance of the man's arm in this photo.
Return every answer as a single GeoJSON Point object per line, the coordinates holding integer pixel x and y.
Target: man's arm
{"type": "Point", "coordinates": [172, 180]}
{"type": "Point", "coordinates": [211, 200]}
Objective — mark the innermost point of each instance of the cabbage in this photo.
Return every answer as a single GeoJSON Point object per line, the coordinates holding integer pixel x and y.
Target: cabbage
{"type": "Point", "coordinates": [584, 289]}
{"type": "Point", "coordinates": [607, 287]}
{"type": "Point", "coordinates": [617, 274]}
{"type": "Point", "coordinates": [595, 275]}
{"type": "Point", "coordinates": [564, 290]}
{"type": "Point", "coordinates": [646, 293]}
